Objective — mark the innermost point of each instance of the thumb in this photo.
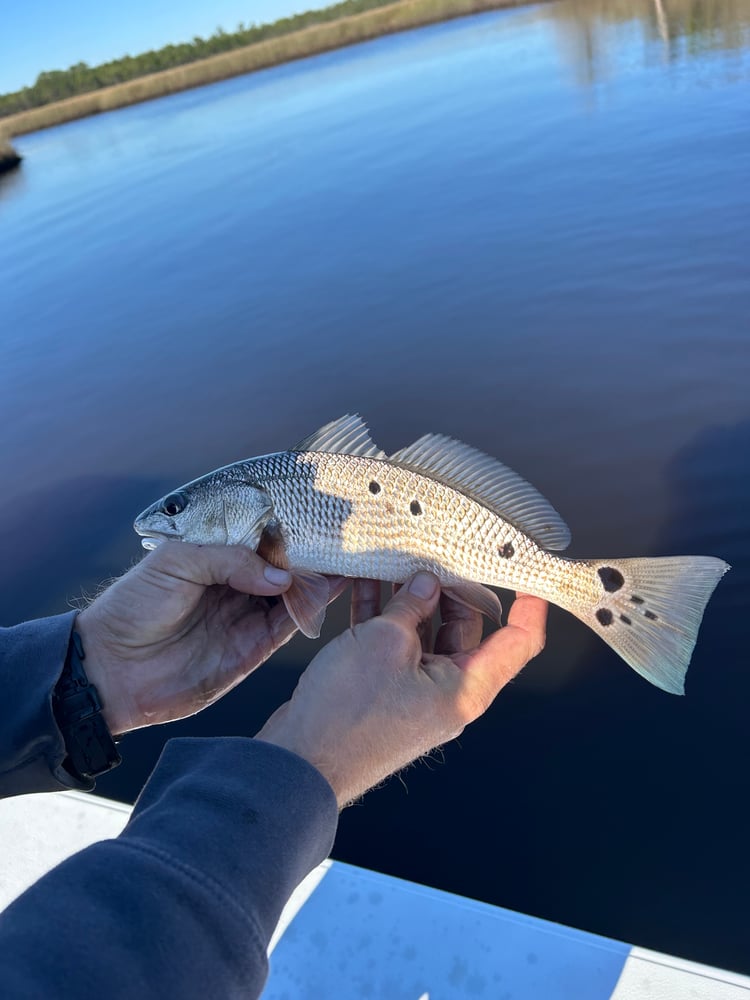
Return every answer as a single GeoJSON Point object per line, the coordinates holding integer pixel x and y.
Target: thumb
{"type": "Point", "coordinates": [235, 566]}
{"type": "Point", "coordinates": [414, 602]}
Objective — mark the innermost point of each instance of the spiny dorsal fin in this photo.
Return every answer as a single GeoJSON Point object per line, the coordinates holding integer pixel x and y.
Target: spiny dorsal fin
{"type": "Point", "coordinates": [490, 482]}
{"type": "Point", "coordinates": [346, 436]}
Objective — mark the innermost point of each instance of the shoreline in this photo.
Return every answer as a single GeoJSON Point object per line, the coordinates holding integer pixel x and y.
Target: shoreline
{"type": "Point", "coordinates": [9, 158]}
{"type": "Point", "coordinates": [403, 15]}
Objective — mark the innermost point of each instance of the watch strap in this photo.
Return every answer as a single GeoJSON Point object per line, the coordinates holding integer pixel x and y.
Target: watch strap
{"type": "Point", "coordinates": [77, 708]}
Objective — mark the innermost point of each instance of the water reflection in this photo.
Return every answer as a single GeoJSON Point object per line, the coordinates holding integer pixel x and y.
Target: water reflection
{"type": "Point", "coordinates": [673, 30]}
{"type": "Point", "coordinates": [12, 182]}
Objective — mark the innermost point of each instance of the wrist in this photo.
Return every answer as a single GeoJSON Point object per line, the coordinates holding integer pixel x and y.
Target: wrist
{"type": "Point", "coordinates": [283, 736]}
{"type": "Point", "coordinates": [117, 708]}
{"type": "Point", "coordinates": [90, 748]}
{"type": "Point", "coordinates": [348, 776]}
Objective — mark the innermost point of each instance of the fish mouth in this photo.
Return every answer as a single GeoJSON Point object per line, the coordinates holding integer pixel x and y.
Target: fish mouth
{"type": "Point", "coordinates": [153, 539]}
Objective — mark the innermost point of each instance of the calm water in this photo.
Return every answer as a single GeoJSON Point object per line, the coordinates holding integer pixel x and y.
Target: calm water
{"type": "Point", "coordinates": [528, 230]}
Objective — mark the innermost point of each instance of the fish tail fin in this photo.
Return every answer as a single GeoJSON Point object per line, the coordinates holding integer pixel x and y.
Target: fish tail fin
{"type": "Point", "coordinates": [649, 611]}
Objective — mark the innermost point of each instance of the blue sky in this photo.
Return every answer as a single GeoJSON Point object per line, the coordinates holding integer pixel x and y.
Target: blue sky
{"type": "Point", "coordinates": [40, 35]}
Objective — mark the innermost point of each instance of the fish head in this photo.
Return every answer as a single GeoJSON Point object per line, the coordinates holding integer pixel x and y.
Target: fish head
{"type": "Point", "coordinates": [223, 508]}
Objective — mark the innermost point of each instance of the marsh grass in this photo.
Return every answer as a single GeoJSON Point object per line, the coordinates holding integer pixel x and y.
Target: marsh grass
{"type": "Point", "coordinates": [399, 16]}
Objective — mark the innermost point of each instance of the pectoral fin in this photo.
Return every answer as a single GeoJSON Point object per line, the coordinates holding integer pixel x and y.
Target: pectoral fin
{"type": "Point", "coordinates": [478, 598]}
{"type": "Point", "coordinates": [271, 546]}
{"type": "Point", "coordinates": [306, 601]}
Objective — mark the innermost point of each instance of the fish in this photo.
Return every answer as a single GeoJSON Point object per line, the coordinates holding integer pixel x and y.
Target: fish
{"type": "Point", "coordinates": [336, 504]}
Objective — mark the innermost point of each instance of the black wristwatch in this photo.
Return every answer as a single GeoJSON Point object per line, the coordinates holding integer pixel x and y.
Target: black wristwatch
{"type": "Point", "coordinates": [77, 708]}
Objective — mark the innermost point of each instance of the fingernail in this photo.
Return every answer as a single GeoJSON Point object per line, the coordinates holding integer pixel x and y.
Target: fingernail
{"type": "Point", "coordinates": [423, 585]}
{"type": "Point", "coordinates": [278, 577]}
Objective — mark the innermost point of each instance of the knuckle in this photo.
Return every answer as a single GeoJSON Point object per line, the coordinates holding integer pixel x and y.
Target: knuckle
{"type": "Point", "coordinates": [247, 558]}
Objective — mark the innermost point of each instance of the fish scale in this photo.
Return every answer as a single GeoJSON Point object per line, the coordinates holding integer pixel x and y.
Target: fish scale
{"type": "Point", "coordinates": [377, 536]}
{"type": "Point", "coordinates": [333, 523]}
{"type": "Point", "coordinates": [338, 505]}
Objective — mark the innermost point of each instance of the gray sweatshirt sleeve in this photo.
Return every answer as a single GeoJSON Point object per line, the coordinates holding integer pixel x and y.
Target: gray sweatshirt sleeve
{"type": "Point", "coordinates": [184, 902]}
{"type": "Point", "coordinates": [31, 746]}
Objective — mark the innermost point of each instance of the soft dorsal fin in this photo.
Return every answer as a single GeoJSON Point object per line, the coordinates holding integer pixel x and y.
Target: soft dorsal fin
{"type": "Point", "coordinates": [490, 482]}
{"type": "Point", "coordinates": [346, 436]}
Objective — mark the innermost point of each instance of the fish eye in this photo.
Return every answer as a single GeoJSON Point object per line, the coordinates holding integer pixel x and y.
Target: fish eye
{"type": "Point", "coordinates": [174, 504]}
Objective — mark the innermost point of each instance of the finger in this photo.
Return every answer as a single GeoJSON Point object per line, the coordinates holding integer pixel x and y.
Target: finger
{"type": "Point", "coordinates": [415, 602]}
{"type": "Point", "coordinates": [365, 600]}
{"type": "Point", "coordinates": [424, 631]}
{"type": "Point", "coordinates": [461, 628]}
{"type": "Point", "coordinates": [235, 566]}
{"type": "Point", "coordinates": [503, 654]}
{"type": "Point", "coordinates": [530, 614]}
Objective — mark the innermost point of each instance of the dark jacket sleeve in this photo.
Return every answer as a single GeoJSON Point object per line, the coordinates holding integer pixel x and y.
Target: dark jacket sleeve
{"type": "Point", "coordinates": [31, 746]}
{"type": "Point", "coordinates": [184, 902]}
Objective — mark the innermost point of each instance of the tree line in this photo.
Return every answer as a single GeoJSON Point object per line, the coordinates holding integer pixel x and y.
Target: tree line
{"type": "Point", "coordinates": [56, 85]}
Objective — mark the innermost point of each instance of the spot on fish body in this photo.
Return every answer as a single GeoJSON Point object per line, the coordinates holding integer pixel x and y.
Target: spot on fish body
{"type": "Point", "coordinates": [507, 551]}
{"type": "Point", "coordinates": [604, 616]}
{"type": "Point", "coordinates": [374, 487]}
{"type": "Point", "coordinates": [415, 507]}
{"type": "Point", "coordinates": [612, 579]}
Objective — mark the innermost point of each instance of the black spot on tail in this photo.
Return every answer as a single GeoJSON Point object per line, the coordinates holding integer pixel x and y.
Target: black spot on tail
{"type": "Point", "coordinates": [604, 616]}
{"type": "Point", "coordinates": [612, 579]}
{"type": "Point", "coordinates": [635, 599]}
{"type": "Point", "coordinates": [625, 620]}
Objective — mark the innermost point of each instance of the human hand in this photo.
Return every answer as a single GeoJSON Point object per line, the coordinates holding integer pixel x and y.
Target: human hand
{"type": "Point", "coordinates": [373, 700]}
{"type": "Point", "coordinates": [179, 630]}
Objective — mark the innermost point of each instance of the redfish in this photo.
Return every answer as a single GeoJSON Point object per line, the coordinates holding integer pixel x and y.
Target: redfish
{"type": "Point", "coordinates": [336, 504]}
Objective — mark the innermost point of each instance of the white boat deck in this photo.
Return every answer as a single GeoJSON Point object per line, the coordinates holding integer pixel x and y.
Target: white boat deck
{"type": "Point", "coordinates": [352, 933]}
